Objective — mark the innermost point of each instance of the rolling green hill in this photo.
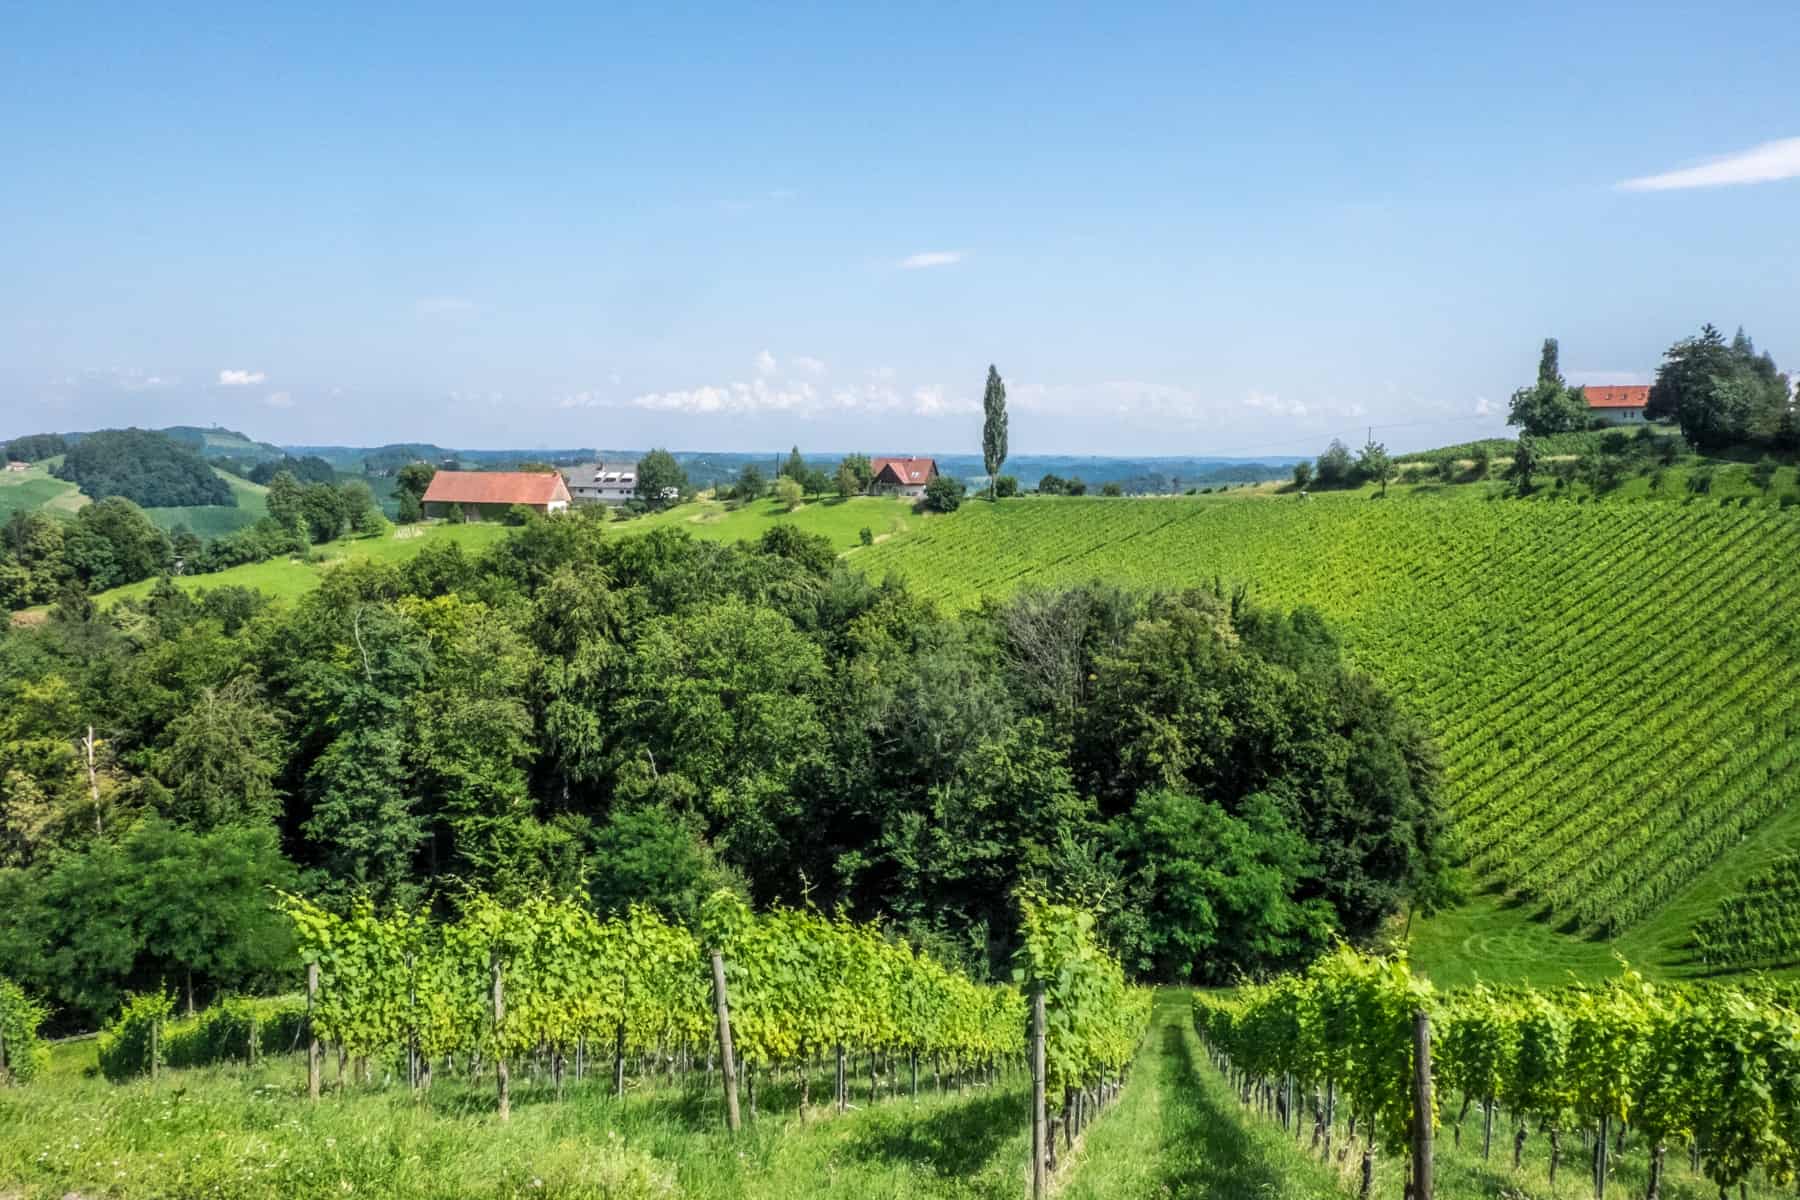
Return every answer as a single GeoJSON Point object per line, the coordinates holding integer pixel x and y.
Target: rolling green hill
{"type": "Point", "coordinates": [24, 491]}
{"type": "Point", "coordinates": [1610, 683]}
{"type": "Point", "coordinates": [212, 520]}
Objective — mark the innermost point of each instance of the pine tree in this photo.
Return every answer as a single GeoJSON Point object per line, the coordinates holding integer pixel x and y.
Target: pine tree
{"type": "Point", "coordinates": [993, 427]}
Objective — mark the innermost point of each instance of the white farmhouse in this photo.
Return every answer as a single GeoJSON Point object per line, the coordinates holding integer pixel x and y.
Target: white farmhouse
{"type": "Point", "coordinates": [606, 482]}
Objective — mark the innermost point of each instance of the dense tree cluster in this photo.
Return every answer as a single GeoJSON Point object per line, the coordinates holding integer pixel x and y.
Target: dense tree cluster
{"type": "Point", "coordinates": [106, 544]}
{"type": "Point", "coordinates": [308, 469]}
{"type": "Point", "coordinates": [35, 447]}
{"type": "Point", "coordinates": [1724, 393]}
{"type": "Point", "coordinates": [1055, 485]}
{"type": "Point", "coordinates": [660, 481]}
{"type": "Point", "coordinates": [643, 718]}
{"type": "Point", "coordinates": [1550, 405]}
{"type": "Point", "coordinates": [149, 469]}
{"type": "Point", "coordinates": [1335, 468]}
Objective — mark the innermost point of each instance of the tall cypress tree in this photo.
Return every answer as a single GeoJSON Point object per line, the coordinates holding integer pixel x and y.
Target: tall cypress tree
{"type": "Point", "coordinates": [993, 428]}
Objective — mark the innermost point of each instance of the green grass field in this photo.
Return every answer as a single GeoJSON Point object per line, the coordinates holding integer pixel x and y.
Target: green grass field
{"type": "Point", "coordinates": [289, 578]}
{"type": "Point", "coordinates": [216, 520]}
{"type": "Point", "coordinates": [842, 521]}
{"type": "Point", "coordinates": [25, 491]}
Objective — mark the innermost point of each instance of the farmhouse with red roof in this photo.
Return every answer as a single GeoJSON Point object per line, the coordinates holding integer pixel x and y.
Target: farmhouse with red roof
{"type": "Point", "coordinates": [488, 494]}
{"type": "Point", "coordinates": [1618, 405]}
{"type": "Point", "coordinates": [902, 476]}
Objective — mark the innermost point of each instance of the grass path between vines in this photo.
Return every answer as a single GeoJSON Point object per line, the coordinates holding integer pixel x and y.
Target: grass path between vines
{"type": "Point", "coordinates": [1177, 1132]}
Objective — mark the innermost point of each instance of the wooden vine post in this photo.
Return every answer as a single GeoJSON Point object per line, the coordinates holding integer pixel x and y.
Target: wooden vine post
{"type": "Point", "coordinates": [727, 1063]}
{"type": "Point", "coordinates": [502, 1080]}
{"type": "Point", "coordinates": [312, 1034]}
{"type": "Point", "coordinates": [1422, 1107]}
{"type": "Point", "coordinates": [619, 1061]}
{"type": "Point", "coordinates": [155, 1044]}
{"type": "Point", "coordinates": [1040, 1184]}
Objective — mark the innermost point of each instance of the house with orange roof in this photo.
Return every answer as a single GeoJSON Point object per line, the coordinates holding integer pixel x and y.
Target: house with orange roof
{"type": "Point", "coordinates": [1618, 405]}
{"type": "Point", "coordinates": [487, 495]}
{"type": "Point", "coordinates": [902, 476]}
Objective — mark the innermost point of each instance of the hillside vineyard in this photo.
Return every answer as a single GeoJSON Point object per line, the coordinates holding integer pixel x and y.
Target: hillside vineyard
{"type": "Point", "coordinates": [1610, 684]}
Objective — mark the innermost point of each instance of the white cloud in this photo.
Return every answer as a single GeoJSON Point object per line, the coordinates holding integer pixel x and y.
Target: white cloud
{"type": "Point", "coordinates": [1271, 402]}
{"type": "Point", "coordinates": [766, 364]}
{"type": "Point", "coordinates": [755, 396]}
{"type": "Point", "coordinates": [1766, 163]}
{"type": "Point", "coordinates": [1482, 407]}
{"type": "Point", "coordinates": [931, 402]}
{"type": "Point", "coordinates": [877, 392]}
{"type": "Point", "coordinates": [279, 400]}
{"type": "Point", "coordinates": [229, 377]}
{"type": "Point", "coordinates": [931, 258]}
{"type": "Point", "coordinates": [809, 365]}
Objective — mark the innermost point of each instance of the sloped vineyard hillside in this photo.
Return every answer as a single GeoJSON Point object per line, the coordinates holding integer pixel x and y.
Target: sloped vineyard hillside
{"type": "Point", "coordinates": [1759, 926]}
{"type": "Point", "coordinates": [1609, 683]}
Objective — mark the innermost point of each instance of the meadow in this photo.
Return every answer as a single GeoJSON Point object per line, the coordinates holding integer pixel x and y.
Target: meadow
{"type": "Point", "coordinates": [24, 491]}
{"type": "Point", "coordinates": [839, 520]}
{"type": "Point", "coordinates": [216, 520]}
{"type": "Point", "coordinates": [291, 578]}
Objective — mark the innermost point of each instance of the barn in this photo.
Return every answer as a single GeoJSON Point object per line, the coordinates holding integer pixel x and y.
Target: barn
{"type": "Point", "coordinates": [487, 495]}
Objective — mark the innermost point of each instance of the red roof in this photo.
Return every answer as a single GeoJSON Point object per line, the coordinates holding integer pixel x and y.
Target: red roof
{"type": "Point", "coordinates": [496, 487]}
{"type": "Point", "coordinates": [1633, 396]}
{"type": "Point", "coordinates": [904, 471]}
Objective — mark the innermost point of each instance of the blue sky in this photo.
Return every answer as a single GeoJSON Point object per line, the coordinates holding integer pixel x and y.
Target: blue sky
{"type": "Point", "coordinates": [1187, 230]}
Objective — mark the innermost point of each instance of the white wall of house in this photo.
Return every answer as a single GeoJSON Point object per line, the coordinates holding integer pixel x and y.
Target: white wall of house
{"type": "Point", "coordinates": [602, 483]}
{"type": "Point", "coordinates": [1619, 416]}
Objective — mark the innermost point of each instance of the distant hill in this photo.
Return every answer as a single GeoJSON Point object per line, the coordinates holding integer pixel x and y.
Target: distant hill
{"type": "Point", "coordinates": [151, 469]}
{"type": "Point", "coordinates": [219, 442]}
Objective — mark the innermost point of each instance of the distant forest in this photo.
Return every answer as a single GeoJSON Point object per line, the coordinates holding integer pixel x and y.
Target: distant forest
{"type": "Point", "coordinates": [150, 469]}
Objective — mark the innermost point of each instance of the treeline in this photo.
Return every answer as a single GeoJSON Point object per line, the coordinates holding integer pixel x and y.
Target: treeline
{"type": "Point", "coordinates": [36, 446]}
{"type": "Point", "coordinates": [643, 719]}
{"type": "Point", "coordinates": [152, 470]}
{"type": "Point", "coordinates": [1335, 468]}
{"type": "Point", "coordinates": [309, 468]}
{"type": "Point", "coordinates": [45, 558]}
{"type": "Point", "coordinates": [1721, 393]}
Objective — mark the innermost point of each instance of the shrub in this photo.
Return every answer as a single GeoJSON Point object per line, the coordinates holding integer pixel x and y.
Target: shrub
{"type": "Point", "coordinates": [25, 1056]}
{"type": "Point", "coordinates": [944, 494]}
{"type": "Point", "coordinates": [866, 535]}
{"type": "Point", "coordinates": [790, 492]}
{"type": "Point", "coordinates": [1006, 485]}
{"type": "Point", "coordinates": [520, 514]}
{"type": "Point", "coordinates": [126, 1044]}
{"type": "Point", "coordinates": [1111, 489]}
